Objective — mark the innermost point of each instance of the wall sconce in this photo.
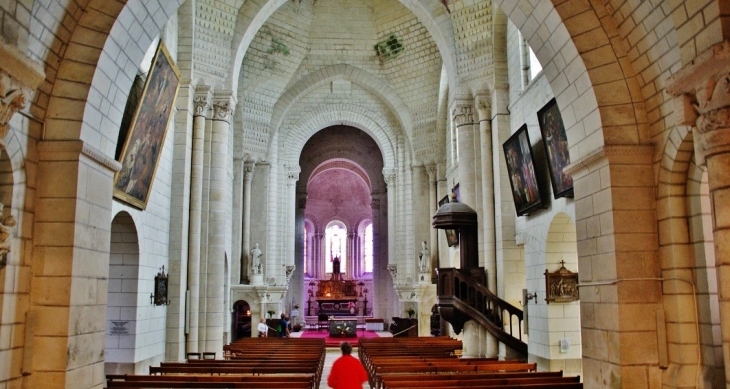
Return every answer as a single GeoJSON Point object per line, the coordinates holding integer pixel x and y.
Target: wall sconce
{"type": "Point", "coordinates": [160, 295]}
{"type": "Point", "coordinates": [530, 296]}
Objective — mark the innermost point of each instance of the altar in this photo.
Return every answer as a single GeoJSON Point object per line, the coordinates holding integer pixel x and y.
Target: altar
{"type": "Point", "coordinates": [340, 327]}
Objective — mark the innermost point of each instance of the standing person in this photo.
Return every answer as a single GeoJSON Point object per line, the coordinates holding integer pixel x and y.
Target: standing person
{"type": "Point", "coordinates": [283, 327]}
{"type": "Point", "coordinates": [347, 371]}
{"type": "Point", "coordinates": [263, 328]}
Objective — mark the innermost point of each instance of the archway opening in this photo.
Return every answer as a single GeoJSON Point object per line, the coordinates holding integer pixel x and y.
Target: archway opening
{"type": "Point", "coordinates": [241, 320]}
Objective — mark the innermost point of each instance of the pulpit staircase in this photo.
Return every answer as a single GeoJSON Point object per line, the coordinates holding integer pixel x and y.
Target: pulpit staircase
{"type": "Point", "coordinates": [463, 296]}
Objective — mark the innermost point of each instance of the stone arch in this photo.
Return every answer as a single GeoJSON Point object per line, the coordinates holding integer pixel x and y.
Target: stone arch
{"type": "Point", "coordinates": [379, 88]}
{"type": "Point", "coordinates": [346, 114]}
{"type": "Point", "coordinates": [431, 13]}
{"type": "Point", "coordinates": [603, 112]}
{"type": "Point", "coordinates": [85, 98]}
{"type": "Point", "coordinates": [561, 244]}
{"type": "Point", "coordinates": [123, 296]}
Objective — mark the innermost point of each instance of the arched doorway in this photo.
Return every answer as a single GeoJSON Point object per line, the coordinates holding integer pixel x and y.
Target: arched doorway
{"type": "Point", "coordinates": [241, 320]}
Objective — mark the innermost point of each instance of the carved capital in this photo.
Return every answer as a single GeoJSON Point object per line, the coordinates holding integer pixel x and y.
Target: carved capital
{"type": "Point", "coordinates": [202, 99]}
{"type": "Point", "coordinates": [223, 110]}
{"type": "Point", "coordinates": [292, 174]}
{"type": "Point", "coordinates": [13, 97]}
{"type": "Point", "coordinates": [462, 114]}
{"type": "Point", "coordinates": [431, 170]}
{"type": "Point", "coordinates": [248, 172]}
{"type": "Point", "coordinates": [484, 106]}
{"type": "Point", "coordinates": [389, 176]}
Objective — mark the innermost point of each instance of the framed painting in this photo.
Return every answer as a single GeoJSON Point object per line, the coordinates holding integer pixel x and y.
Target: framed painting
{"type": "Point", "coordinates": [556, 148]}
{"type": "Point", "coordinates": [521, 171]}
{"type": "Point", "coordinates": [143, 145]}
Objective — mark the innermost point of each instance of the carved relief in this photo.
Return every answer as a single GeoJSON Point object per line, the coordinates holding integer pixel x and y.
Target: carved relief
{"type": "Point", "coordinates": [389, 176]}
{"type": "Point", "coordinates": [562, 285]}
{"type": "Point", "coordinates": [222, 110]}
{"type": "Point", "coordinates": [463, 115]}
{"type": "Point", "coordinates": [201, 105]}
{"type": "Point", "coordinates": [13, 98]}
{"type": "Point", "coordinates": [6, 232]}
{"type": "Point", "coordinates": [713, 104]}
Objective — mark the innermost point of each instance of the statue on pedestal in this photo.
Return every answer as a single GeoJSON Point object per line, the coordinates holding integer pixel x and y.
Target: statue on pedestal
{"type": "Point", "coordinates": [424, 258]}
{"type": "Point", "coordinates": [256, 260]}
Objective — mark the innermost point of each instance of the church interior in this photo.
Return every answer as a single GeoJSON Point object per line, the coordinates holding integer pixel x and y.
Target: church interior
{"type": "Point", "coordinates": [543, 180]}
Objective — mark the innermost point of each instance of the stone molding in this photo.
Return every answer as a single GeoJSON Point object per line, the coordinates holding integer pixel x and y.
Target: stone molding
{"type": "Point", "coordinates": [19, 67]}
{"type": "Point", "coordinates": [618, 154]}
{"type": "Point", "coordinates": [70, 150]}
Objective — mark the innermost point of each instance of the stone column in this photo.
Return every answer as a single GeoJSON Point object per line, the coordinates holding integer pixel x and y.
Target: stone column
{"type": "Point", "coordinates": [432, 170]}
{"type": "Point", "coordinates": [218, 209]}
{"type": "Point", "coordinates": [292, 176]}
{"type": "Point", "coordinates": [463, 118]}
{"type": "Point", "coordinates": [201, 101]}
{"type": "Point", "coordinates": [703, 90]}
{"type": "Point", "coordinates": [238, 272]}
{"type": "Point", "coordinates": [390, 182]}
{"type": "Point", "coordinates": [246, 250]}
{"type": "Point", "coordinates": [319, 256]}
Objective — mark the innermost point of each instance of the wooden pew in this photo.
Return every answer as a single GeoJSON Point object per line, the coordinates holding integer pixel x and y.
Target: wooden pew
{"type": "Point", "coordinates": [465, 381]}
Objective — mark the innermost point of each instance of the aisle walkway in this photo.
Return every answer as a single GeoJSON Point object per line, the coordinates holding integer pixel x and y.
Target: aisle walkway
{"type": "Point", "coordinates": [333, 353]}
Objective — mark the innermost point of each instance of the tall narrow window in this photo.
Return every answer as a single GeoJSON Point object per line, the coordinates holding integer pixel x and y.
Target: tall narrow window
{"type": "Point", "coordinates": [335, 238]}
{"type": "Point", "coordinates": [367, 249]}
{"type": "Point", "coordinates": [306, 251]}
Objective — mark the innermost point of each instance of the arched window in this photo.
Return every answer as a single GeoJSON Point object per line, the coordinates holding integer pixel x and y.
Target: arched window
{"type": "Point", "coordinates": [335, 238]}
{"type": "Point", "coordinates": [367, 249]}
{"type": "Point", "coordinates": [306, 250]}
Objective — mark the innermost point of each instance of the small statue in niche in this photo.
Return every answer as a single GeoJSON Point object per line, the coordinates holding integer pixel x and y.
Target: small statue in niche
{"type": "Point", "coordinates": [423, 258]}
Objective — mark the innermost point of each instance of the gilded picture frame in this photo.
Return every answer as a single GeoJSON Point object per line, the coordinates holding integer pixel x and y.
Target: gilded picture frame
{"type": "Point", "coordinates": [140, 156]}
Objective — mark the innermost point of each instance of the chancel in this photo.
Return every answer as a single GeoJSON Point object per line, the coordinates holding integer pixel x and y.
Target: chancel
{"type": "Point", "coordinates": [542, 181]}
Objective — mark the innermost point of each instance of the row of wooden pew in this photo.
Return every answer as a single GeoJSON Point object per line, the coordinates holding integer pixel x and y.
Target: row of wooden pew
{"type": "Point", "coordinates": [270, 363]}
{"type": "Point", "coordinates": [434, 363]}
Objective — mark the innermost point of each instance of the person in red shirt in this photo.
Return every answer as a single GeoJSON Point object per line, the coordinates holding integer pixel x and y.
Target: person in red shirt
{"type": "Point", "coordinates": [347, 371]}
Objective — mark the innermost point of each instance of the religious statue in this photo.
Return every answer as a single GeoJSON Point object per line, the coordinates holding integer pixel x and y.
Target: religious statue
{"type": "Point", "coordinates": [423, 258]}
{"type": "Point", "coordinates": [336, 265]}
{"type": "Point", "coordinates": [256, 260]}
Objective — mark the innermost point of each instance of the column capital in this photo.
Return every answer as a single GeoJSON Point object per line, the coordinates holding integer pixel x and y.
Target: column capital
{"type": "Point", "coordinates": [201, 99]}
{"type": "Point", "coordinates": [702, 99]}
{"type": "Point", "coordinates": [248, 171]}
{"type": "Point", "coordinates": [14, 96]}
{"type": "Point", "coordinates": [462, 112]}
{"type": "Point", "coordinates": [431, 170]}
{"type": "Point", "coordinates": [223, 105]}
{"type": "Point", "coordinates": [389, 176]}
{"type": "Point", "coordinates": [292, 174]}
{"type": "Point", "coordinates": [484, 106]}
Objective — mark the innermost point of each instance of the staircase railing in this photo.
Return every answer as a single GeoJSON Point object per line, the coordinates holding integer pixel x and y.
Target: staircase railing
{"type": "Point", "coordinates": [463, 298]}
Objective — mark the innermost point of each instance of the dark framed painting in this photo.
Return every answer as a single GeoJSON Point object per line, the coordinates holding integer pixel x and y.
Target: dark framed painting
{"type": "Point", "coordinates": [556, 148]}
{"type": "Point", "coordinates": [143, 145]}
{"type": "Point", "coordinates": [521, 171]}
{"type": "Point", "coordinates": [160, 296]}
